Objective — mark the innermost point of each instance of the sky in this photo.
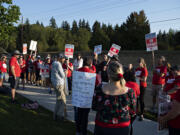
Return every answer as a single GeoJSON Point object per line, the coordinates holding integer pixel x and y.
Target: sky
{"type": "Point", "coordinates": [162, 14]}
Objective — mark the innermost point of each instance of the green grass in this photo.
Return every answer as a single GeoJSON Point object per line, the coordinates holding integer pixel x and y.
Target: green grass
{"type": "Point", "coordinates": [14, 120]}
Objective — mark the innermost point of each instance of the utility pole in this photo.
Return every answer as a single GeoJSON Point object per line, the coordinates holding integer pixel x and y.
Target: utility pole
{"type": "Point", "coordinates": [22, 32]}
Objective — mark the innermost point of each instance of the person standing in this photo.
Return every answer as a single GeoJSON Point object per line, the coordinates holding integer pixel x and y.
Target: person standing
{"type": "Point", "coordinates": [3, 69]}
{"type": "Point", "coordinates": [142, 74]}
{"type": "Point", "coordinates": [14, 74]}
{"type": "Point", "coordinates": [67, 65]}
{"type": "Point", "coordinates": [82, 113]}
{"type": "Point", "coordinates": [172, 118]}
{"type": "Point", "coordinates": [158, 80]}
{"type": "Point", "coordinates": [78, 62]}
{"type": "Point", "coordinates": [114, 103]}
{"type": "Point", "coordinates": [22, 63]}
{"type": "Point", "coordinates": [96, 62]}
{"type": "Point", "coordinates": [58, 82]}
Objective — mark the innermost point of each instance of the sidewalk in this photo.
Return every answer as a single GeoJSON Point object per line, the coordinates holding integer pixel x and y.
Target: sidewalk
{"type": "Point", "coordinates": [40, 94]}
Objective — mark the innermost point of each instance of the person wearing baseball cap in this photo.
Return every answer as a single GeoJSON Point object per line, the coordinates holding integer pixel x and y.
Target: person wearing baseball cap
{"type": "Point", "coordinates": [14, 74]}
{"type": "Point", "coordinates": [58, 82]}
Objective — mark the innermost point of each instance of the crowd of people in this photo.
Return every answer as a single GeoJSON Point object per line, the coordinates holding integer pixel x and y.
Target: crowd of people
{"type": "Point", "coordinates": [119, 91]}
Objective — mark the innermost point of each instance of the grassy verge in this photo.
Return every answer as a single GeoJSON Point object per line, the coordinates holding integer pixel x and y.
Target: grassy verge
{"type": "Point", "coordinates": [14, 120]}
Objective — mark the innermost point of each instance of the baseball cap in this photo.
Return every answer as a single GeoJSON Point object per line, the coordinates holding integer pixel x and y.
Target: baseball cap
{"type": "Point", "coordinates": [16, 52]}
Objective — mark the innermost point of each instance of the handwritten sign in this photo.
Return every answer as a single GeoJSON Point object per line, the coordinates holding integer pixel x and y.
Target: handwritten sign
{"type": "Point", "coordinates": [24, 48]}
{"type": "Point", "coordinates": [164, 107]}
{"type": "Point", "coordinates": [151, 42]}
{"type": "Point", "coordinates": [33, 45]}
{"type": "Point", "coordinates": [69, 50]}
{"type": "Point", "coordinates": [98, 49]}
{"type": "Point", "coordinates": [114, 50]}
{"type": "Point", "coordinates": [83, 85]}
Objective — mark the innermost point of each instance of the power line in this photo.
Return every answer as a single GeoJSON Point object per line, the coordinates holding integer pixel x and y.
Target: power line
{"type": "Point", "coordinates": [173, 19]}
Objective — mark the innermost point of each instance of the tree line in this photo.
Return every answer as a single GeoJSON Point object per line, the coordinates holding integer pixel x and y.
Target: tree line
{"type": "Point", "coordinates": [130, 35]}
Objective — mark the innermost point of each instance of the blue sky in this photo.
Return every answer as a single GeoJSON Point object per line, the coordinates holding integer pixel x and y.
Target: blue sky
{"type": "Point", "coordinates": [106, 11]}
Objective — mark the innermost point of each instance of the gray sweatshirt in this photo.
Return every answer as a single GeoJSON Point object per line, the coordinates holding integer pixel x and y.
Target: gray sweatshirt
{"type": "Point", "coordinates": [57, 74]}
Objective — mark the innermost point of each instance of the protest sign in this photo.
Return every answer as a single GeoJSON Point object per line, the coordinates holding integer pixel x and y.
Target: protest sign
{"type": "Point", "coordinates": [69, 50]}
{"type": "Point", "coordinates": [164, 106]}
{"type": "Point", "coordinates": [83, 85]}
{"type": "Point", "coordinates": [151, 42]}
{"type": "Point", "coordinates": [114, 50]}
{"type": "Point", "coordinates": [33, 45]}
{"type": "Point", "coordinates": [98, 49]}
{"type": "Point", "coordinates": [24, 48]}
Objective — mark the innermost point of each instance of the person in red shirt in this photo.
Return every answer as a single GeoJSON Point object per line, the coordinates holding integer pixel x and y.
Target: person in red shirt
{"type": "Point", "coordinates": [173, 116]}
{"type": "Point", "coordinates": [141, 75]}
{"type": "Point", "coordinates": [158, 80]}
{"type": "Point", "coordinates": [169, 82]}
{"type": "Point", "coordinates": [3, 69]}
{"type": "Point", "coordinates": [81, 114]}
{"type": "Point", "coordinates": [68, 66]}
{"type": "Point", "coordinates": [22, 63]}
{"type": "Point", "coordinates": [14, 73]}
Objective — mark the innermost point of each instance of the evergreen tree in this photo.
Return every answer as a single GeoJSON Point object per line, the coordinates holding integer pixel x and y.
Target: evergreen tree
{"type": "Point", "coordinates": [53, 23]}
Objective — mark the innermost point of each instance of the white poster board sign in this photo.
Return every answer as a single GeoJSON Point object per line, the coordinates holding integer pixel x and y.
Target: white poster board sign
{"type": "Point", "coordinates": [69, 50]}
{"type": "Point", "coordinates": [114, 50]}
{"type": "Point", "coordinates": [24, 48]}
{"type": "Point", "coordinates": [33, 45]}
{"type": "Point", "coordinates": [151, 42]}
{"type": "Point", "coordinates": [164, 106]}
{"type": "Point", "coordinates": [98, 49]}
{"type": "Point", "coordinates": [83, 85]}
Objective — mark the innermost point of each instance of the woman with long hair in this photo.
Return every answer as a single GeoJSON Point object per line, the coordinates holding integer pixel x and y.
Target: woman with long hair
{"type": "Point", "coordinates": [142, 73]}
{"type": "Point", "coordinates": [114, 103]}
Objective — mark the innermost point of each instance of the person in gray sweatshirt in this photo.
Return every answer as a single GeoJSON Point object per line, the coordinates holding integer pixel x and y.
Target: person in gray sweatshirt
{"type": "Point", "coordinates": [58, 82]}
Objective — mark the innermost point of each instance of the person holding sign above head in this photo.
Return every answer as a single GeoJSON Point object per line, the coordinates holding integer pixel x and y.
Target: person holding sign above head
{"type": "Point", "coordinates": [57, 79]}
{"type": "Point", "coordinates": [114, 103]}
{"type": "Point", "coordinates": [78, 62]}
{"type": "Point", "coordinates": [158, 80]}
{"type": "Point", "coordinates": [142, 73]}
{"type": "Point", "coordinates": [173, 115]}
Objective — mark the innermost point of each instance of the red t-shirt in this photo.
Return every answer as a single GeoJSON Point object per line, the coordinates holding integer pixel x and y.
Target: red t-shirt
{"type": "Point", "coordinates": [158, 80]}
{"type": "Point", "coordinates": [86, 69]}
{"type": "Point", "coordinates": [134, 86]}
{"type": "Point", "coordinates": [93, 68]}
{"type": "Point", "coordinates": [175, 123]}
{"type": "Point", "coordinates": [3, 67]}
{"type": "Point", "coordinates": [13, 62]}
{"type": "Point", "coordinates": [23, 66]}
{"type": "Point", "coordinates": [142, 72]}
{"type": "Point", "coordinates": [37, 64]}
{"type": "Point", "coordinates": [69, 71]}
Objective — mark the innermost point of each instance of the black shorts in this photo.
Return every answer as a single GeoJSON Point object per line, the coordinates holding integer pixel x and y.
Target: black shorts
{"type": "Point", "coordinates": [22, 75]}
{"type": "Point", "coordinates": [13, 82]}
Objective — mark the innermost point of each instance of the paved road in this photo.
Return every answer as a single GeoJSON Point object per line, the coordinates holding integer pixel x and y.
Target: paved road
{"type": "Point", "coordinates": [40, 94]}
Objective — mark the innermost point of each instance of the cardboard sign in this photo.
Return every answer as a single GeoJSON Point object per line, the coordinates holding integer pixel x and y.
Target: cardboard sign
{"type": "Point", "coordinates": [69, 50]}
{"type": "Point", "coordinates": [33, 45]}
{"type": "Point", "coordinates": [83, 85]}
{"type": "Point", "coordinates": [151, 42]}
{"type": "Point", "coordinates": [25, 48]}
{"type": "Point", "coordinates": [114, 50]}
{"type": "Point", "coordinates": [98, 49]}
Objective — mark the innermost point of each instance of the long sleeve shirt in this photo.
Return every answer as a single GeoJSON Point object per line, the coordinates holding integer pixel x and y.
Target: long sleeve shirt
{"type": "Point", "coordinates": [57, 74]}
